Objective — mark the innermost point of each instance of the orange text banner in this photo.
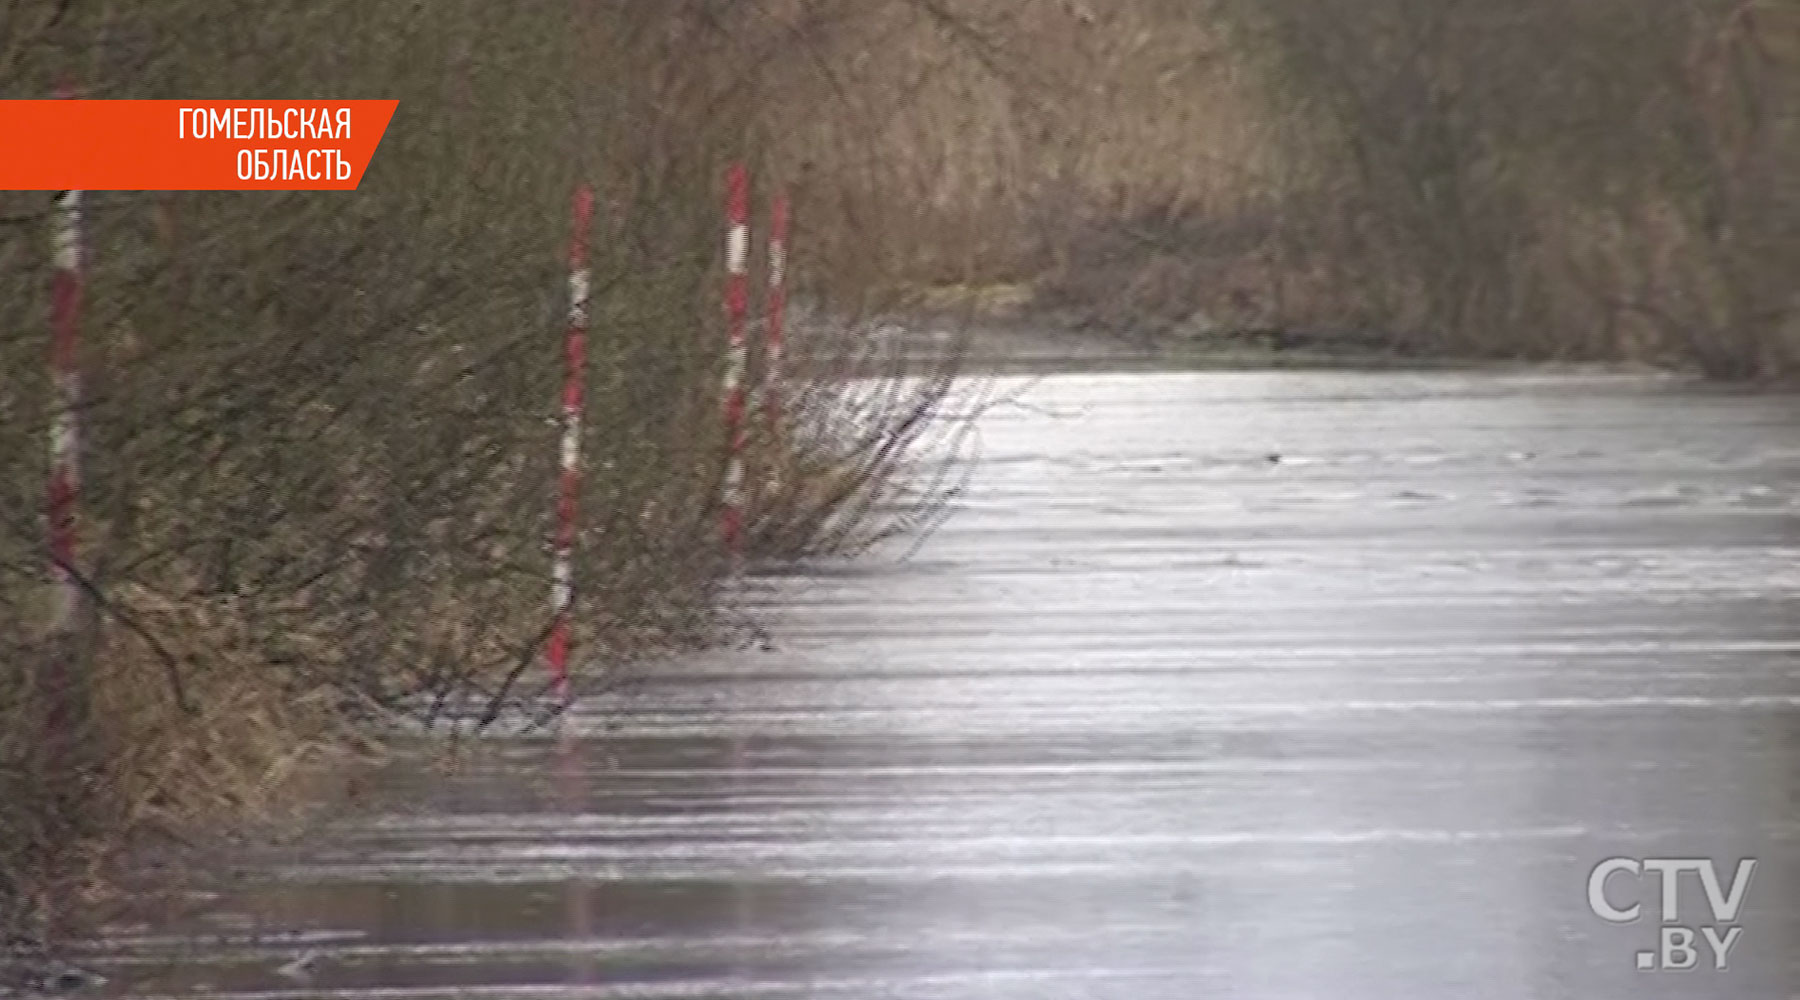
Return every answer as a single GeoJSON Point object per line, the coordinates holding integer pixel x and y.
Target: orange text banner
{"type": "Point", "coordinates": [62, 145]}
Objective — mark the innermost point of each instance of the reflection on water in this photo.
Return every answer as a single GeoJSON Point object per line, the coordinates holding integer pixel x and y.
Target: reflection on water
{"type": "Point", "coordinates": [580, 892]}
{"type": "Point", "coordinates": [1260, 685]}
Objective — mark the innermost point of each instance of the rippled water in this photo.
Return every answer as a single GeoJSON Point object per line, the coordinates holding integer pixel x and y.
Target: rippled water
{"type": "Point", "coordinates": [1216, 685]}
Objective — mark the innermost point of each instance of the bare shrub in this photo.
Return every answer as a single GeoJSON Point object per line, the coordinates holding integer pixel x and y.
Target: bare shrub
{"type": "Point", "coordinates": [1564, 180]}
{"type": "Point", "coordinates": [1591, 180]}
{"type": "Point", "coordinates": [319, 429]}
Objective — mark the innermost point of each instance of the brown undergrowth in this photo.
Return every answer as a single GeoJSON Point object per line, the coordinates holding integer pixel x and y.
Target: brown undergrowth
{"type": "Point", "coordinates": [1588, 180]}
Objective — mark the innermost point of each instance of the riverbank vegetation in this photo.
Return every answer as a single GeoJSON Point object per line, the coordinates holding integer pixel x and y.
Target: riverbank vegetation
{"type": "Point", "coordinates": [319, 430]}
{"type": "Point", "coordinates": [1587, 180]}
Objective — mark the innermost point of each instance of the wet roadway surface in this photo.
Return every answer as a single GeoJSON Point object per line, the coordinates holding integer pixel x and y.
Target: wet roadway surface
{"type": "Point", "coordinates": [1216, 685]}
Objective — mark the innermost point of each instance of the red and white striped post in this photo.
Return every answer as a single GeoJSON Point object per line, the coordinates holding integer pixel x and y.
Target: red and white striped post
{"type": "Point", "coordinates": [737, 307]}
{"type": "Point", "coordinates": [65, 427]}
{"type": "Point", "coordinates": [63, 695]}
{"type": "Point", "coordinates": [776, 332]}
{"type": "Point", "coordinates": [562, 589]}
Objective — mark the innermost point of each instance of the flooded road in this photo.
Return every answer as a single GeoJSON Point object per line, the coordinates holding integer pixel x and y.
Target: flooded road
{"type": "Point", "coordinates": [1215, 685]}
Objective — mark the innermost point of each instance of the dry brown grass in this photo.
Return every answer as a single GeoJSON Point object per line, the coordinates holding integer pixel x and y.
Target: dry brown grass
{"type": "Point", "coordinates": [969, 139]}
{"type": "Point", "coordinates": [146, 768]}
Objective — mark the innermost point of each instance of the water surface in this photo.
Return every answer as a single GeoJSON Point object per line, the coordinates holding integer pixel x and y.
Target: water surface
{"type": "Point", "coordinates": [1251, 685]}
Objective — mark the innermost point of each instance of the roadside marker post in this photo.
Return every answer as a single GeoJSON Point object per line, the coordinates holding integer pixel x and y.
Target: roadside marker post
{"type": "Point", "coordinates": [775, 333]}
{"type": "Point", "coordinates": [562, 589]}
{"type": "Point", "coordinates": [65, 427]}
{"type": "Point", "coordinates": [737, 307]}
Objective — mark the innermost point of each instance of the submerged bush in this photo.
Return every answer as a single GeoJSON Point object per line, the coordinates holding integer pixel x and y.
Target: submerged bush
{"type": "Point", "coordinates": [319, 433]}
